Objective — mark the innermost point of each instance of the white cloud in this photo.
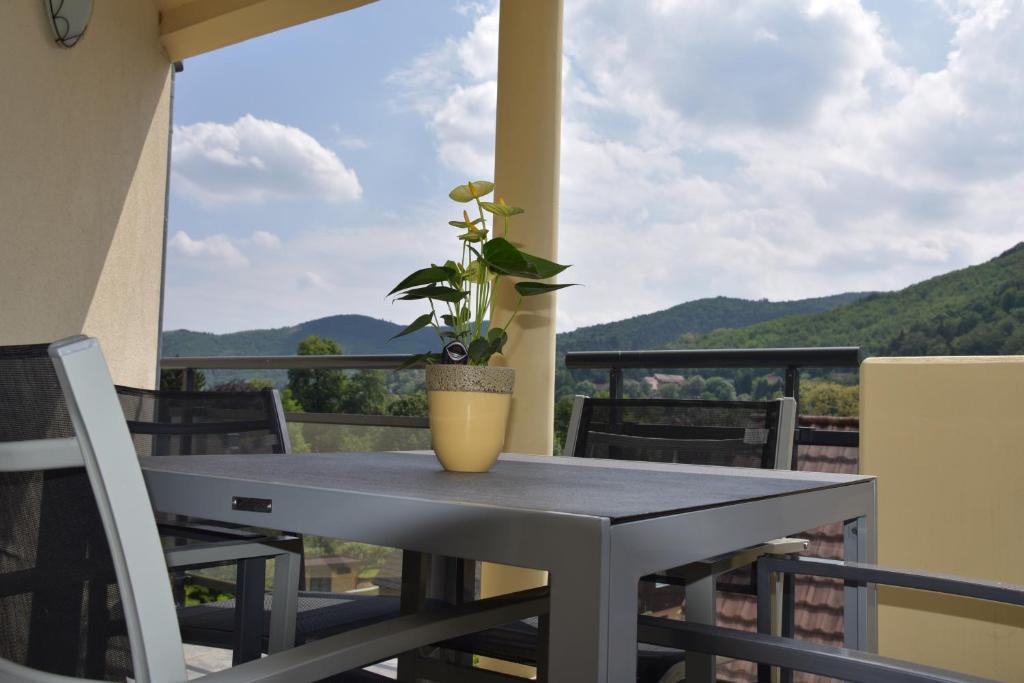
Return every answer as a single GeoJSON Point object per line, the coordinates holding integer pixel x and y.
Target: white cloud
{"type": "Point", "coordinates": [267, 240]}
{"type": "Point", "coordinates": [455, 89]}
{"type": "Point", "coordinates": [255, 160]}
{"type": "Point", "coordinates": [216, 250]}
{"type": "Point", "coordinates": [316, 272]}
{"type": "Point", "coordinates": [757, 148]}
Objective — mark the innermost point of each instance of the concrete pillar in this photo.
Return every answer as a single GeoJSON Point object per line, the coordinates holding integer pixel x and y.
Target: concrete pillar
{"type": "Point", "coordinates": [526, 175]}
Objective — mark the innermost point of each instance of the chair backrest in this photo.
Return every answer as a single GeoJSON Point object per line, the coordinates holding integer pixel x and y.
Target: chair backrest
{"type": "Point", "coordinates": [204, 422]}
{"type": "Point", "coordinates": [729, 433]}
{"type": "Point", "coordinates": [83, 583]}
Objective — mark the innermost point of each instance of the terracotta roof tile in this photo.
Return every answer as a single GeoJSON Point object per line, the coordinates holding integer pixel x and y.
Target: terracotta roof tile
{"type": "Point", "coordinates": [819, 602]}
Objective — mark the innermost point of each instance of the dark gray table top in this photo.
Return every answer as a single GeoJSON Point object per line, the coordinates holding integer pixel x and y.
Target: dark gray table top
{"type": "Point", "coordinates": [619, 491]}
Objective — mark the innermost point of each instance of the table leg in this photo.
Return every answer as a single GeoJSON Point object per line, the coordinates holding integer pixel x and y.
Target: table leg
{"type": "Point", "coordinates": [700, 608]}
{"type": "Point", "coordinates": [578, 628]}
{"type": "Point", "coordinates": [580, 606]}
{"type": "Point", "coordinates": [624, 606]}
{"type": "Point", "coordinates": [415, 575]}
{"type": "Point", "coordinates": [860, 602]}
{"type": "Point", "coordinates": [287, 570]}
{"type": "Point", "coordinates": [247, 645]}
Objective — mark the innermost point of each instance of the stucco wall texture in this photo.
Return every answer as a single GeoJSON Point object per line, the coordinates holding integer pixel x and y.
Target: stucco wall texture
{"type": "Point", "coordinates": [944, 437]}
{"type": "Point", "coordinates": [83, 163]}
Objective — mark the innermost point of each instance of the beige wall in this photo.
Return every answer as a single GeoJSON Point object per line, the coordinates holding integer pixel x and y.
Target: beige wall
{"type": "Point", "coordinates": [83, 155]}
{"type": "Point", "coordinates": [945, 436]}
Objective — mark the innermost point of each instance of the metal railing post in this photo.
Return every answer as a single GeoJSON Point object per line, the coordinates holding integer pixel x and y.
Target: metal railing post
{"type": "Point", "coordinates": [615, 383]}
{"type": "Point", "coordinates": [792, 386]}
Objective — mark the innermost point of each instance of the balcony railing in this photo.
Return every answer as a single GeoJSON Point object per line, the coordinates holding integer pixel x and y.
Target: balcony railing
{"type": "Point", "coordinates": [792, 361]}
{"type": "Point", "coordinates": [379, 362]}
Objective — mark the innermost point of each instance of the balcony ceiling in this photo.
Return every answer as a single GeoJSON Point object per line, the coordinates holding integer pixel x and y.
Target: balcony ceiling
{"type": "Point", "coordinates": [192, 27]}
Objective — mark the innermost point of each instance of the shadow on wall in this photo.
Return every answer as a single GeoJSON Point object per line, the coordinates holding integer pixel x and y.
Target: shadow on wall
{"type": "Point", "coordinates": [83, 162]}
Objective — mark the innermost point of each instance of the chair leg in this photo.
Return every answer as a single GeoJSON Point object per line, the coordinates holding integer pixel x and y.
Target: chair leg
{"type": "Point", "coordinates": [543, 633]}
{"type": "Point", "coordinates": [700, 608]}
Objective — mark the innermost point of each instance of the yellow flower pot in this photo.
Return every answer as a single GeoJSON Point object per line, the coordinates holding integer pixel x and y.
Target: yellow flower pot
{"type": "Point", "coordinates": [468, 407]}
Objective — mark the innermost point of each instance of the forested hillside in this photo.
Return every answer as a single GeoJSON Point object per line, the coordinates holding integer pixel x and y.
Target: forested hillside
{"type": "Point", "coordinates": [654, 330]}
{"type": "Point", "coordinates": [357, 334]}
{"type": "Point", "coordinates": [976, 310]}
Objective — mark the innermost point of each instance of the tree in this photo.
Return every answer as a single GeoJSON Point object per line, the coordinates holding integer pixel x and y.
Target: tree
{"type": "Point", "coordinates": [764, 388]}
{"type": "Point", "coordinates": [671, 391]}
{"type": "Point", "coordinates": [414, 405]}
{"type": "Point", "coordinates": [693, 387]}
{"type": "Point", "coordinates": [174, 380]}
{"type": "Point", "coordinates": [829, 398]}
{"type": "Point", "coordinates": [719, 389]}
{"type": "Point", "coordinates": [257, 384]}
{"type": "Point", "coordinates": [364, 394]}
{"type": "Point", "coordinates": [318, 391]}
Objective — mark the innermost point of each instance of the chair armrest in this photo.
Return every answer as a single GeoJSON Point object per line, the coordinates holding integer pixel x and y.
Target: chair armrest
{"type": "Point", "coordinates": [364, 646]}
{"type": "Point", "coordinates": [858, 572]}
{"type": "Point", "coordinates": [680, 576]}
{"type": "Point", "coordinates": [806, 656]}
{"type": "Point", "coordinates": [203, 554]}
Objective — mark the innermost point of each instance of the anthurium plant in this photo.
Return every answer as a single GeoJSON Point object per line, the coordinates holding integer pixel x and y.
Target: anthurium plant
{"type": "Point", "coordinates": [461, 293]}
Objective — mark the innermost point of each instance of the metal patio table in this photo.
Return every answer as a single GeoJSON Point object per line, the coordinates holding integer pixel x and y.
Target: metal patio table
{"type": "Point", "coordinates": [597, 526]}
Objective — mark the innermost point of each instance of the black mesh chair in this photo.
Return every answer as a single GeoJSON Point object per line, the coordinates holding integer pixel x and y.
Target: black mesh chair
{"type": "Point", "coordinates": [83, 579]}
{"type": "Point", "coordinates": [757, 434]}
{"type": "Point", "coordinates": [212, 422]}
{"type": "Point", "coordinates": [60, 605]}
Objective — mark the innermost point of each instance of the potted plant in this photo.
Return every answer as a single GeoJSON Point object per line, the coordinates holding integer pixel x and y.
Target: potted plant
{"type": "Point", "coordinates": [468, 399]}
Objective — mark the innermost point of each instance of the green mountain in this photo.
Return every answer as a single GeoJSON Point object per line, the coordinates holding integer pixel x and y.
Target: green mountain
{"type": "Point", "coordinates": [359, 334]}
{"type": "Point", "coordinates": [976, 310]}
{"type": "Point", "coordinates": [655, 330]}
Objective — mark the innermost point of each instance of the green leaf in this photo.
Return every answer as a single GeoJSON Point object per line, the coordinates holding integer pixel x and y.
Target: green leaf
{"type": "Point", "coordinates": [425, 358]}
{"type": "Point", "coordinates": [464, 194]}
{"type": "Point", "coordinates": [464, 224]}
{"type": "Point", "coordinates": [479, 351]}
{"type": "Point", "coordinates": [535, 288]}
{"type": "Point", "coordinates": [424, 276]}
{"type": "Point", "coordinates": [417, 324]}
{"type": "Point", "coordinates": [502, 257]}
{"type": "Point", "coordinates": [474, 236]}
{"type": "Point", "coordinates": [502, 209]}
{"type": "Point", "coordinates": [544, 268]}
{"type": "Point", "coordinates": [448, 319]}
{"type": "Point", "coordinates": [438, 292]}
{"type": "Point", "coordinates": [497, 337]}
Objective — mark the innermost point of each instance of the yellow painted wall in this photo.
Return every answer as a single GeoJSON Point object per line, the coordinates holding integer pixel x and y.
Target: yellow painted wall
{"type": "Point", "coordinates": [83, 159]}
{"type": "Point", "coordinates": [945, 436]}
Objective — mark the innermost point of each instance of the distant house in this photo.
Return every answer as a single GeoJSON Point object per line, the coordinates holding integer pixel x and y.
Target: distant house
{"type": "Point", "coordinates": [332, 574]}
{"type": "Point", "coordinates": [658, 379]}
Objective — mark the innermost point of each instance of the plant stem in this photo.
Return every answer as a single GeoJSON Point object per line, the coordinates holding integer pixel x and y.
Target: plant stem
{"type": "Point", "coordinates": [515, 312]}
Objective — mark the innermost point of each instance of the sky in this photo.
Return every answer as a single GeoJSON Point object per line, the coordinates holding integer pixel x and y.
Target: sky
{"type": "Point", "coordinates": [773, 149]}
